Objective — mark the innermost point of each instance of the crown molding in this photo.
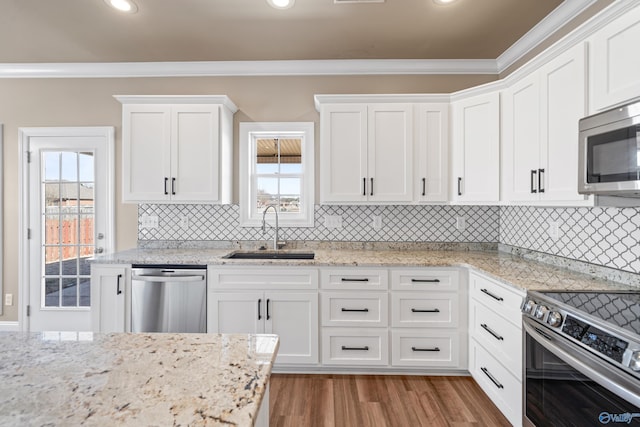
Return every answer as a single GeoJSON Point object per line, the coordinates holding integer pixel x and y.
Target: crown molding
{"type": "Point", "coordinates": [250, 68]}
{"type": "Point", "coordinates": [562, 14]}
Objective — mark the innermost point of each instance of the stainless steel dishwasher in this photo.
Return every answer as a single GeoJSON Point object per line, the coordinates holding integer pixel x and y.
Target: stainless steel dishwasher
{"type": "Point", "coordinates": [168, 298]}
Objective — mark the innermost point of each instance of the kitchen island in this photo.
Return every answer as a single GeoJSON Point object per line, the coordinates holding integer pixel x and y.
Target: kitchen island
{"type": "Point", "coordinates": [84, 378]}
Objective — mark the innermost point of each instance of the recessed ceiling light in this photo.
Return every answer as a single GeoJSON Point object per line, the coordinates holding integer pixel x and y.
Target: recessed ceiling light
{"type": "Point", "coordinates": [443, 1]}
{"type": "Point", "coordinates": [126, 6]}
{"type": "Point", "coordinates": [281, 4]}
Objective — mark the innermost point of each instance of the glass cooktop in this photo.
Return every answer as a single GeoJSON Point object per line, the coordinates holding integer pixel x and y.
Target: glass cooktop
{"type": "Point", "coordinates": [619, 308]}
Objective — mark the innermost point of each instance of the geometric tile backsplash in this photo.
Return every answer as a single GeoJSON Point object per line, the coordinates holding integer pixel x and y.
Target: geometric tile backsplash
{"type": "Point", "coordinates": [604, 236]}
{"type": "Point", "coordinates": [400, 223]}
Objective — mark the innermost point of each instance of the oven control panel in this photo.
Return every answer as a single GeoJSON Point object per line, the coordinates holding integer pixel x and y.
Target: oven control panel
{"type": "Point", "coordinates": [600, 341]}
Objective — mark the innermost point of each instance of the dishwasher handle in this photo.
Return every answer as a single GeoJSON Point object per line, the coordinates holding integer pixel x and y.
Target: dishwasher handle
{"type": "Point", "coordinates": [164, 279]}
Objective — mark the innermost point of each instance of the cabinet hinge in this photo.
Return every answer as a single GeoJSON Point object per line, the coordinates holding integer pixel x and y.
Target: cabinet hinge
{"type": "Point", "coordinates": [28, 156]}
{"type": "Point", "coordinates": [28, 310]}
{"type": "Point", "coordinates": [28, 234]}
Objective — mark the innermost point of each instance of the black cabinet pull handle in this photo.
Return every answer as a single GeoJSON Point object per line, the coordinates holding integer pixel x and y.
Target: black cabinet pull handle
{"type": "Point", "coordinates": [365, 348]}
{"type": "Point", "coordinates": [488, 329]}
{"type": "Point", "coordinates": [425, 349]}
{"type": "Point", "coordinates": [425, 280]}
{"type": "Point", "coordinates": [493, 380]}
{"type": "Point", "coordinates": [459, 186]}
{"type": "Point", "coordinates": [372, 186]}
{"type": "Point", "coordinates": [344, 279]}
{"type": "Point", "coordinates": [418, 310]}
{"type": "Point", "coordinates": [268, 315]}
{"type": "Point", "coordinates": [360, 310]}
{"type": "Point", "coordinates": [165, 186]}
{"type": "Point", "coordinates": [259, 309]}
{"type": "Point", "coordinates": [540, 180]}
{"type": "Point", "coordinates": [424, 186]}
{"type": "Point", "coordinates": [364, 186]}
{"type": "Point", "coordinates": [497, 298]}
{"type": "Point", "coordinates": [533, 180]}
{"type": "Point", "coordinates": [173, 186]}
{"type": "Point", "coordinates": [118, 290]}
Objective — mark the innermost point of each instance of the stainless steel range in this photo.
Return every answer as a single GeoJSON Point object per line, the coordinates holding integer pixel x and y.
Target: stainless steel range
{"type": "Point", "coordinates": [581, 358]}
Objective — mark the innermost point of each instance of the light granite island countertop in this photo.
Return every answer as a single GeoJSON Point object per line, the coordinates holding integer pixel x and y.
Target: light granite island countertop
{"type": "Point", "coordinates": [83, 378]}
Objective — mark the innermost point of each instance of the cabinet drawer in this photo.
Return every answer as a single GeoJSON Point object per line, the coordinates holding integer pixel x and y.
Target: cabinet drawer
{"type": "Point", "coordinates": [436, 348]}
{"type": "Point", "coordinates": [424, 309]}
{"type": "Point", "coordinates": [369, 309]}
{"type": "Point", "coordinates": [502, 388]}
{"type": "Point", "coordinates": [355, 346]}
{"type": "Point", "coordinates": [498, 297]}
{"type": "Point", "coordinates": [254, 277]}
{"type": "Point", "coordinates": [501, 338]}
{"type": "Point", "coordinates": [354, 278]}
{"type": "Point", "coordinates": [425, 280]}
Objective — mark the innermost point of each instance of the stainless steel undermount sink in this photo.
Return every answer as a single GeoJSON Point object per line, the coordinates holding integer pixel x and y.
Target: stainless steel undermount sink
{"type": "Point", "coordinates": [269, 255]}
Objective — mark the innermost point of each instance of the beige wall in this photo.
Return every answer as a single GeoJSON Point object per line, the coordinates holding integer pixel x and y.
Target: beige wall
{"type": "Point", "coordinates": [90, 102]}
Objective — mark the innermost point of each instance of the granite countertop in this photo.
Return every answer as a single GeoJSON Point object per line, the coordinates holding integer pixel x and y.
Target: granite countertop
{"type": "Point", "coordinates": [505, 267]}
{"type": "Point", "coordinates": [83, 378]}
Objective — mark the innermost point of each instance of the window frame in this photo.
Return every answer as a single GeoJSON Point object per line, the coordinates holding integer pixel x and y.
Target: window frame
{"type": "Point", "coordinates": [249, 217]}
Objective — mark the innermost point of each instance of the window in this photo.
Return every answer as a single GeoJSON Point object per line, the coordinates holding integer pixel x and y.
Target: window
{"type": "Point", "coordinates": [276, 168]}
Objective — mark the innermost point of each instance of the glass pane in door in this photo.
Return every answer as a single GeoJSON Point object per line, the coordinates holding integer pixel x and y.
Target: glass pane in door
{"type": "Point", "coordinates": [68, 227]}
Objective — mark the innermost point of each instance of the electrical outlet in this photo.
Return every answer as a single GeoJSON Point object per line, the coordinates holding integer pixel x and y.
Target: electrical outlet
{"type": "Point", "coordinates": [554, 230]}
{"type": "Point", "coordinates": [333, 221]}
{"type": "Point", "coordinates": [184, 222]}
{"type": "Point", "coordinates": [376, 222]}
{"type": "Point", "coordinates": [8, 299]}
{"type": "Point", "coordinates": [149, 221]}
{"type": "Point", "coordinates": [461, 223]}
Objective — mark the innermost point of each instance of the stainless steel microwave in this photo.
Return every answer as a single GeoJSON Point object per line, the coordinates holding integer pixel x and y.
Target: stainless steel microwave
{"type": "Point", "coordinates": [609, 152]}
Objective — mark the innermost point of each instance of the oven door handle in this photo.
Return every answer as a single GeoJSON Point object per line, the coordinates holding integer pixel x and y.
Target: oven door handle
{"type": "Point", "coordinates": [583, 361]}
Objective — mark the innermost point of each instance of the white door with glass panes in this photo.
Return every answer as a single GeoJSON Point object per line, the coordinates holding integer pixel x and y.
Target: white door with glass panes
{"type": "Point", "coordinates": [67, 199]}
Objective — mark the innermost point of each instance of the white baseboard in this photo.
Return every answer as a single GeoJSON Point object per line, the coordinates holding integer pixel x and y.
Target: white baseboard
{"type": "Point", "coordinates": [9, 326]}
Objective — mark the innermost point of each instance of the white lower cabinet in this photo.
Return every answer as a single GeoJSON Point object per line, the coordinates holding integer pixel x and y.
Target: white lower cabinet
{"type": "Point", "coordinates": [110, 295]}
{"type": "Point", "coordinates": [355, 346]}
{"type": "Point", "coordinates": [495, 343]}
{"type": "Point", "coordinates": [246, 300]}
{"type": "Point", "coordinates": [428, 319]}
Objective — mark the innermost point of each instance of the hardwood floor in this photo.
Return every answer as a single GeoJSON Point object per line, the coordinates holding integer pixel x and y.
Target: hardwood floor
{"type": "Point", "coordinates": [381, 400]}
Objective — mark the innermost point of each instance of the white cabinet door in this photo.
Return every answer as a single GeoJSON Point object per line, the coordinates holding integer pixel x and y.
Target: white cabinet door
{"type": "Point", "coordinates": [195, 153]}
{"type": "Point", "coordinates": [614, 62]}
{"type": "Point", "coordinates": [476, 139]}
{"type": "Point", "coordinates": [432, 153]}
{"type": "Point", "coordinates": [109, 290]}
{"type": "Point", "coordinates": [236, 312]}
{"type": "Point", "coordinates": [146, 152]}
{"type": "Point", "coordinates": [563, 101]}
{"type": "Point", "coordinates": [521, 140]}
{"type": "Point", "coordinates": [390, 153]}
{"type": "Point", "coordinates": [343, 153]}
{"type": "Point", "coordinates": [293, 316]}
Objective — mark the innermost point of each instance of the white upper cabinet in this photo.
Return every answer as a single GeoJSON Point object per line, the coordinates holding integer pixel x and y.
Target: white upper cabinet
{"type": "Point", "coordinates": [177, 149]}
{"type": "Point", "coordinates": [432, 153]}
{"type": "Point", "coordinates": [476, 149]}
{"type": "Point", "coordinates": [540, 131]}
{"type": "Point", "coordinates": [366, 153]}
{"type": "Point", "coordinates": [614, 62]}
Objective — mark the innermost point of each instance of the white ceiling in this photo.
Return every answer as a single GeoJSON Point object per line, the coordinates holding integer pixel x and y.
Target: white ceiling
{"type": "Point", "coordinates": [89, 31]}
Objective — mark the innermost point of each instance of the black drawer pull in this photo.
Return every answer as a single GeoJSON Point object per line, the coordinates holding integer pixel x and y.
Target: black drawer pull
{"type": "Point", "coordinates": [361, 310]}
{"type": "Point", "coordinates": [364, 186]}
{"type": "Point", "coordinates": [417, 310]}
{"type": "Point", "coordinates": [268, 315]}
{"type": "Point", "coordinates": [371, 187]}
{"type": "Point", "coordinates": [497, 298]}
{"type": "Point", "coordinates": [424, 349]}
{"type": "Point", "coordinates": [259, 309]}
{"type": "Point", "coordinates": [425, 280]}
{"type": "Point", "coordinates": [365, 348]}
{"type": "Point", "coordinates": [533, 180]}
{"type": "Point", "coordinates": [488, 329]}
{"type": "Point", "coordinates": [459, 186]}
{"type": "Point", "coordinates": [493, 380]}
{"type": "Point", "coordinates": [344, 279]}
{"type": "Point", "coordinates": [173, 186]}
{"type": "Point", "coordinates": [165, 186]}
{"type": "Point", "coordinates": [118, 290]}
{"type": "Point", "coordinates": [424, 186]}
{"type": "Point", "coordinates": [540, 180]}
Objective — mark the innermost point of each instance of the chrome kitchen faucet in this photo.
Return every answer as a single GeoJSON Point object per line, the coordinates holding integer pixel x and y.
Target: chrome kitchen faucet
{"type": "Point", "coordinates": [276, 243]}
